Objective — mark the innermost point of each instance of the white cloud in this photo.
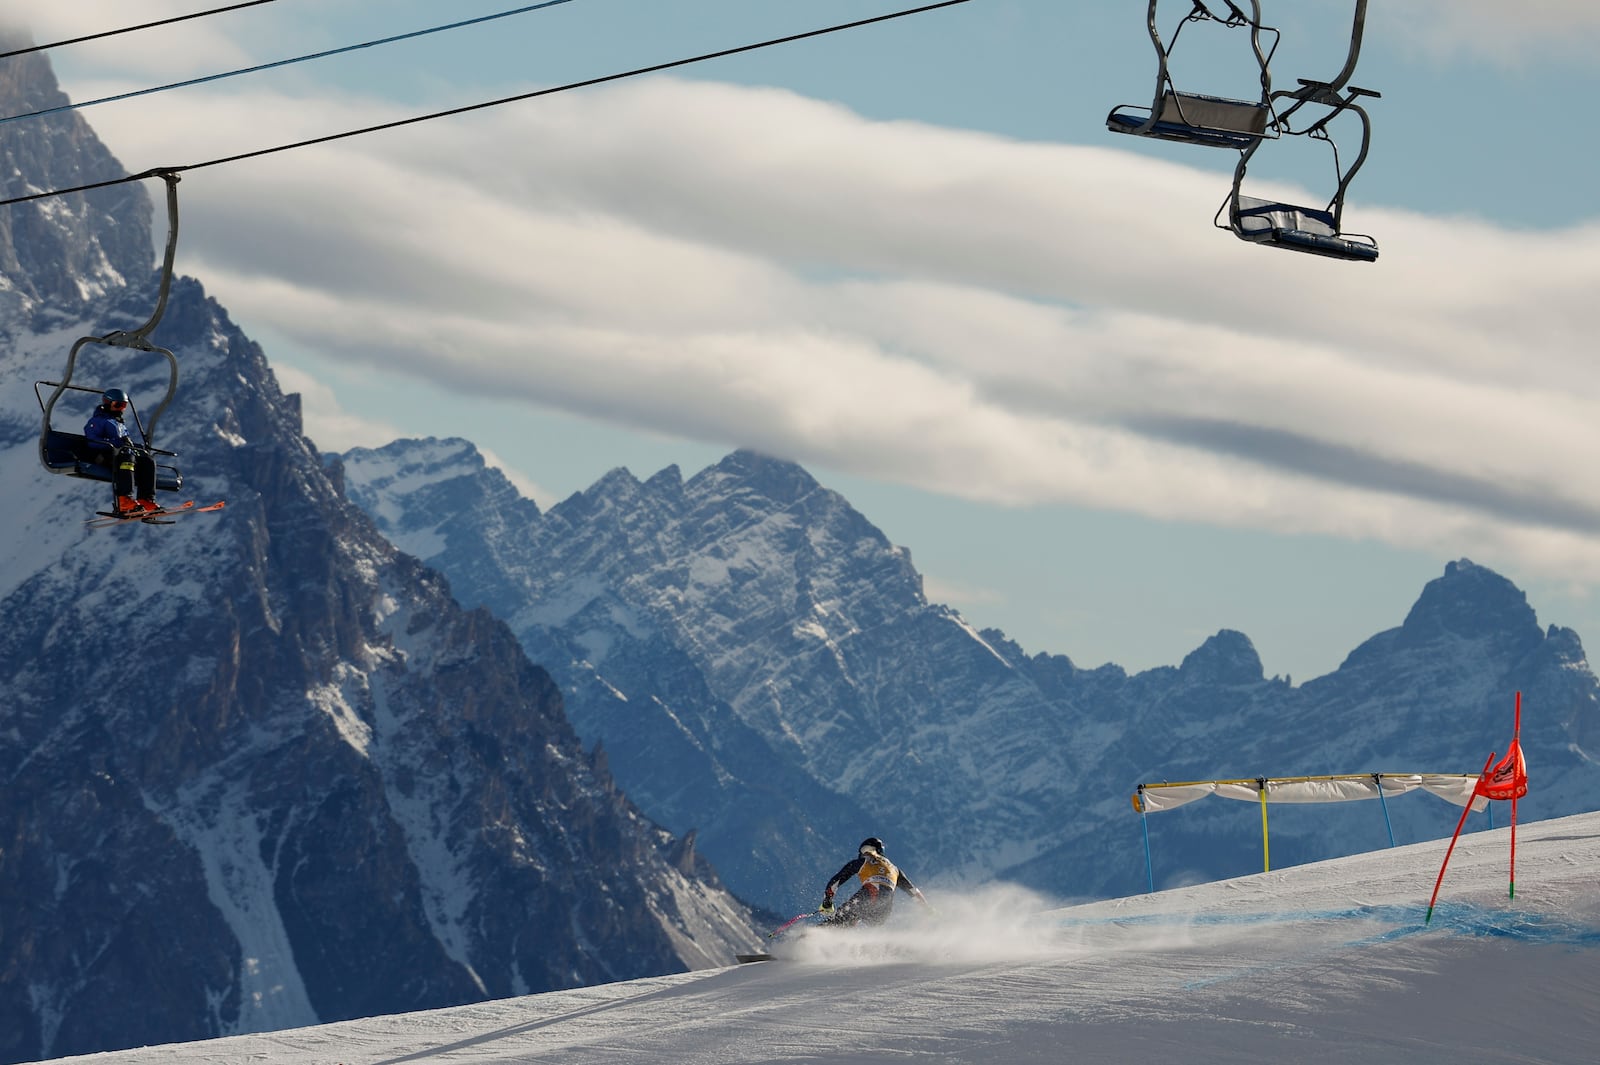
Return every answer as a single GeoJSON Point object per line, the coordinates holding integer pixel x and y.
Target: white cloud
{"type": "Point", "coordinates": [1010, 321]}
{"type": "Point", "coordinates": [330, 427]}
{"type": "Point", "coordinates": [1507, 33]}
{"type": "Point", "coordinates": [172, 52]}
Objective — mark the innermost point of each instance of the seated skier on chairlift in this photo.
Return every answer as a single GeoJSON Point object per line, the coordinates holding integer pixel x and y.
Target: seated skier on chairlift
{"type": "Point", "coordinates": [107, 443]}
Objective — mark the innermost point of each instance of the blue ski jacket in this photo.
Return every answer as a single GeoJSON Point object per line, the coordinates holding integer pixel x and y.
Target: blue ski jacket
{"type": "Point", "coordinates": [105, 431]}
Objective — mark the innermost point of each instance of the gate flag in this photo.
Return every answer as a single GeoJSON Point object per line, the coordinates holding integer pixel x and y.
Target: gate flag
{"type": "Point", "coordinates": [1506, 779]}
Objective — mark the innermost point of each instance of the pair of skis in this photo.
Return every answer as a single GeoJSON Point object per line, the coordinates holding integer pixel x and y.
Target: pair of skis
{"type": "Point", "coordinates": [164, 516]}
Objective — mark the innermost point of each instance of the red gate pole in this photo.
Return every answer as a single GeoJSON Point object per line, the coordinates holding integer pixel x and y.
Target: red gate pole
{"type": "Point", "coordinates": [1452, 847]}
{"type": "Point", "coordinates": [1516, 745]}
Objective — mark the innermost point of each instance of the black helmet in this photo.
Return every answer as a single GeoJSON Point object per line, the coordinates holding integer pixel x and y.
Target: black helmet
{"type": "Point", "coordinates": [871, 843]}
{"type": "Point", "coordinates": [114, 399]}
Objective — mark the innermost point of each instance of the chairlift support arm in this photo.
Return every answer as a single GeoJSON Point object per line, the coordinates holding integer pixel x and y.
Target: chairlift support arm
{"type": "Point", "coordinates": [1357, 28]}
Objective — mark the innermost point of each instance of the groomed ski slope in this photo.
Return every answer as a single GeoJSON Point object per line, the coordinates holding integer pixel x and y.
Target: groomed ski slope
{"type": "Point", "coordinates": [1321, 963]}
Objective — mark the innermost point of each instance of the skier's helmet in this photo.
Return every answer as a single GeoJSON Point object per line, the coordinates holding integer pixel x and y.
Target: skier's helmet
{"type": "Point", "coordinates": [114, 399]}
{"type": "Point", "coordinates": [871, 843]}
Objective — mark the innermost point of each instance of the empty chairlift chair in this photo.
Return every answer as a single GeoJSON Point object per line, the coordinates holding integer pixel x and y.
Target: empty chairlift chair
{"type": "Point", "coordinates": [1314, 230]}
{"type": "Point", "coordinates": [1195, 118]}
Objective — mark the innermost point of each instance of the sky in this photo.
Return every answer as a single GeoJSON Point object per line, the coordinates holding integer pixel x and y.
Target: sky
{"type": "Point", "coordinates": [911, 258]}
{"type": "Point", "coordinates": [1331, 962]}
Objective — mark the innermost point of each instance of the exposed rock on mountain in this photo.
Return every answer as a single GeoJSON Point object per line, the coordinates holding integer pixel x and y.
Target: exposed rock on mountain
{"type": "Point", "coordinates": [746, 641]}
{"type": "Point", "coordinates": [259, 768]}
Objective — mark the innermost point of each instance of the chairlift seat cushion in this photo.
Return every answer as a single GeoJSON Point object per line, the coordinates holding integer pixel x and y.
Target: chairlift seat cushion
{"type": "Point", "coordinates": [1190, 118]}
{"type": "Point", "coordinates": [1307, 229]}
{"type": "Point", "coordinates": [1214, 113]}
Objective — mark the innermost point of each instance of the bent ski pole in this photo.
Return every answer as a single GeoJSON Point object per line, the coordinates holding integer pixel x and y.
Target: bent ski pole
{"type": "Point", "coordinates": [791, 921]}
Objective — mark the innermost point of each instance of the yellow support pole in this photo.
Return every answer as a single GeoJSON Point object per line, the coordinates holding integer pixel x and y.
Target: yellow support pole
{"type": "Point", "coordinates": [1266, 862]}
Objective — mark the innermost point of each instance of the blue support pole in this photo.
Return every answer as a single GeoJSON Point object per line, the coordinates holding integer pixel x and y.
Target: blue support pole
{"type": "Point", "coordinates": [1149, 869]}
{"type": "Point", "coordinates": [1377, 778]}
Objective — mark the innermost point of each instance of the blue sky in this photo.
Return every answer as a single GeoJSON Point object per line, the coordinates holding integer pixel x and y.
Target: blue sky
{"type": "Point", "coordinates": [911, 258]}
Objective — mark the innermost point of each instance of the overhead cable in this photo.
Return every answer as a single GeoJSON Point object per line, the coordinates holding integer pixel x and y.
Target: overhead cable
{"type": "Point", "coordinates": [283, 62]}
{"type": "Point", "coordinates": [587, 82]}
{"type": "Point", "coordinates": [130, 29]}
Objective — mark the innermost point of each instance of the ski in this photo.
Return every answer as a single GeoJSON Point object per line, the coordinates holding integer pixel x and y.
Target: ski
{"type": "Point", "coordinates": [163, 516]}
{"type": "Point", "coordinates": [745, 958]}
{"type": "Point", "coordinates": [107, 517]}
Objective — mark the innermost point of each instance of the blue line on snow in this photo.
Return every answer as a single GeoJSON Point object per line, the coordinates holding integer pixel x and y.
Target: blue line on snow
{"type": "Point", "coordinates": [1459, 918]}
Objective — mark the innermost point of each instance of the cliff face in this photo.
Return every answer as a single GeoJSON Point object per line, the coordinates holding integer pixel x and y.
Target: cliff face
{"type": "Point", "coordinates": [260, 769]}
{"type": "Point", "coordinates": [58, 255]}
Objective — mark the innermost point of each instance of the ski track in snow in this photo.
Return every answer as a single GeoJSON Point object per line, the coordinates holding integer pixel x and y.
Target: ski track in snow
{"type": "Point", "coordinates": [1319, 963]}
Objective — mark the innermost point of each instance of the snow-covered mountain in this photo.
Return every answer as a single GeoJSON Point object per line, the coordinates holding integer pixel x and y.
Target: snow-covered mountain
{"type": "Point", "coordinates": [1331, 962]}
{"type": "Point", "coordinates": [259, 769]}
{"type": "Point", "coordinates": [761, 664]}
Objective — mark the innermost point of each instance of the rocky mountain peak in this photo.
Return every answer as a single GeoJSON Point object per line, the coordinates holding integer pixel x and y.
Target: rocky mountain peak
{"type": "Point", "coordinates": [1469, 602]}
{"type": "Point", "coordinates": [59, 255]}
{"type": "Point", "coordinates": [618, 488]}
{"type": "Point", "coordinates": [1227, 658]}
{"type": "Point", "coordinates": [778, 480]}
{"type": "Point", "coordinates": [667, 481]}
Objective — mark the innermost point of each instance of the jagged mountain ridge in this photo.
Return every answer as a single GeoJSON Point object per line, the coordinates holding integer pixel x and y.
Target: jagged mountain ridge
{"type": "Point", "coordinates": [261, 769]}
{"type": "Point", "coordinates": [768, 605]}
{"type": "Point", "coordinates": [697, 765]}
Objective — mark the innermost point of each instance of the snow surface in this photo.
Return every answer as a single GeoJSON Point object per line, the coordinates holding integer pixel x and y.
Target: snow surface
{"type": "Point", "coordinates": [1329, 962]}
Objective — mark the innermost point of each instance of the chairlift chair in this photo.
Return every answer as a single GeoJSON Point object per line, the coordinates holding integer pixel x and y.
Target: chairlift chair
{"type": "Point", "coordinates": [1195, 118]}
{"type": "Point", "coordinates": [1314, 230]}
{"type": "Point", "coordinates": [68, 452]}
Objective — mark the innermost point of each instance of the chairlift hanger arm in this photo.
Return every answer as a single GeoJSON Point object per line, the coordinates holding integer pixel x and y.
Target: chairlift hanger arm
{"type": "Point", "coordinates": [1361, 158]}
{"type": "Point", "coordinates": [139, 337]}
{"type": "Point", "coordinates": [1357, 29]}
{"type": "Point", "coordinates": [1327, 92]}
